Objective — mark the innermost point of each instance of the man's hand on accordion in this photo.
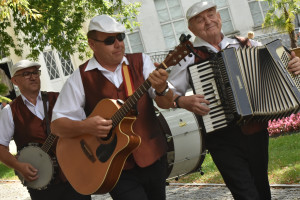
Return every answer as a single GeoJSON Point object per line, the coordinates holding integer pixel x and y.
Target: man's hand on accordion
{"type": "Point", "coordinates": [294, 64]}
{"type": "Point", "coordinates": [194, 103]}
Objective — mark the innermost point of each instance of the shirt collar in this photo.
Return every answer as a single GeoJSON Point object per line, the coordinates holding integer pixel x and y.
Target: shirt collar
{"type": "Point", "coordinates": [26, 101]}
{"type": "Point", "coordinates": [198, 42]}
{"type": "Point", "coordinates": [93, 64]}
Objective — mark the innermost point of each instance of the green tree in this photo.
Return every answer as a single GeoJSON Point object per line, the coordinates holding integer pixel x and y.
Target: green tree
{"type": "Point", "coordinates": [3, 90]}
{"type": "Point", "coordinates": [42, 23]}
{"type": "Point", "coordinates": [281, 16]}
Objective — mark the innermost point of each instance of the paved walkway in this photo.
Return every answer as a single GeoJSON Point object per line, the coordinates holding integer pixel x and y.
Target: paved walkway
{"type": "Point", "coordinates": [16, 191]}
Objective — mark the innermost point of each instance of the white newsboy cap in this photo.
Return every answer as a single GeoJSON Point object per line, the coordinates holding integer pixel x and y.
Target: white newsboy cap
{"type": "Point", "coordinates": [106, 24]}
{"type": "Point", "coordinates": [198, 7]}
{"type": "Point", "coordinates": [23, 64]}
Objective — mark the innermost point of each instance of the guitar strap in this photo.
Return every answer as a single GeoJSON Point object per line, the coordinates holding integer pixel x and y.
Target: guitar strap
{"type": "Point", "coordinates": [45, 99]}
{"type": "Point", "coordinates": [127, 79]}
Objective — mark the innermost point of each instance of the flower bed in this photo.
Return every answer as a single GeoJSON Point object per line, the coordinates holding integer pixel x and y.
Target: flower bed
{"type": "Point", "coordinates": [285, 125]}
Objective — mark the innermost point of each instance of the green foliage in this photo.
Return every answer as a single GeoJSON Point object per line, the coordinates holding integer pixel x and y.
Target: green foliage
{"type": "Point", "coordinates": [6, 172]}
{"type": "Point", "coordinates": [281, 16]}
{"type": "Point", "coordinates": [42, 23]}
{"type": "Point", "coordinates": [3, 88]}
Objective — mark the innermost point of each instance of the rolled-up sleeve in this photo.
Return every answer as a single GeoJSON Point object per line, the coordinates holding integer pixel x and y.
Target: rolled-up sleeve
{"type": "Point", "coordinates": [71, 100]}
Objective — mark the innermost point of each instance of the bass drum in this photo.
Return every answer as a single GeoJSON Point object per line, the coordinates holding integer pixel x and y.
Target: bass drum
{"type": "Point", "coordinates": [186, 151]}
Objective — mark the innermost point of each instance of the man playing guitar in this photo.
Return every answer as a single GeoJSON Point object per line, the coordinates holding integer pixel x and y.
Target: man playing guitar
{"type": "Point", "coordinates": [24, 119]}
{"type": "Point", "coordinates": [144, 173]}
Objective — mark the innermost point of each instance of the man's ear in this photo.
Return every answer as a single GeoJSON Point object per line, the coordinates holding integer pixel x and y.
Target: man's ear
{"type": "Point", "coordinates": [14, 81]}
{"type": "Point", "coordinates": [91, 44]}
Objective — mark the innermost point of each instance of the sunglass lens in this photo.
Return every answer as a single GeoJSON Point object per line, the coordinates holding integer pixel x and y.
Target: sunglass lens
{"type": "Point", "coordinates": [110, 40]}
{"type": "Point", "coordinates": [120, 36]}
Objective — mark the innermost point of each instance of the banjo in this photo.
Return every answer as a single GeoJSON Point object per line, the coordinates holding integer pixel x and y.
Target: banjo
{"type": "Point", "coordinates": [39, 158]}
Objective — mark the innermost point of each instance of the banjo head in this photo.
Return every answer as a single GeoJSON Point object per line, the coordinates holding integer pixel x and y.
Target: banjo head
{"type": "Point", "coordinates": [41, 161]}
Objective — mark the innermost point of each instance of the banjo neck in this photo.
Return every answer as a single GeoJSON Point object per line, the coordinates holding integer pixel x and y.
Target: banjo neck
{"type": "Point", "coordinates": [48, 143]}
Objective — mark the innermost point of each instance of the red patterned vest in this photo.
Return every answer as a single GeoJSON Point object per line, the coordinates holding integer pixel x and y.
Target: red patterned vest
{"type": "Point", "coordinates": [31, 129]}
{"type": "Point", "coordinates": [97, 87]}
{"type": "Point", "coordinates": [28, 127]}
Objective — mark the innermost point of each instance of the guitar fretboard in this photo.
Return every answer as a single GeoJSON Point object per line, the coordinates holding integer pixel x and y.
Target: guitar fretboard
{"type": "Point", "coordinates": [130, 102]}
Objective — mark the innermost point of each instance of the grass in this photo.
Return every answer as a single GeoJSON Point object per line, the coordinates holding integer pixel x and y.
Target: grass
{"type": "Point", "coordinates": [284, 164]}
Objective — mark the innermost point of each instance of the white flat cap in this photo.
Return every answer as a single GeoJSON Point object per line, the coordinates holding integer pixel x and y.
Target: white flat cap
{"type": "Point", "coordinates": [197, 8]}
{"type": "Point", "coordinates": [106, 24]}
{"type": "Point", "coordinates": [23, 64]}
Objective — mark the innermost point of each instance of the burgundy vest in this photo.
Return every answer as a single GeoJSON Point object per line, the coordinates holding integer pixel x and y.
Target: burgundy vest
{"type": "Point", "coordinates": [97, 87]}
{"type": "Point", "coordinates": [28, 127]}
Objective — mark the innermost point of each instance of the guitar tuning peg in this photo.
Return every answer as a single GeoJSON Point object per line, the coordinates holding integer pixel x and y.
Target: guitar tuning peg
{"type": "Point", "coordinates": [179, 56]}
{"type": "Point", "coordinates": [174, 60]}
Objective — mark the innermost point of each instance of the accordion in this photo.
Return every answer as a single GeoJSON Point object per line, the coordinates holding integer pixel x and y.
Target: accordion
{"type": "Point", "coordinates": [246, 83]}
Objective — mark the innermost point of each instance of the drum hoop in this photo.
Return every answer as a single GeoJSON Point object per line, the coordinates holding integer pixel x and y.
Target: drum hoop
{"type": "Point", "coordinates": [167, 131]}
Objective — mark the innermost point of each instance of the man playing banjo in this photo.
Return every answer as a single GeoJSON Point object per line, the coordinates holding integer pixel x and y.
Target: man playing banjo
{"type": "Point", "coordinates": [25, 119]}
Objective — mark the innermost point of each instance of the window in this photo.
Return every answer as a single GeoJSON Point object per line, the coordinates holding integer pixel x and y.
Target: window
{"type": "Point", "coordinates": [133, 42]}
{"type": "Point", "coordinates": [51, 65]}
{"type": "Point", "coordinates": [258, 10]}
{"type": "Point", "coordinates": [57, 66]}
{"type": "Point", "coordinates": [66, 65]}
{"type": "Point", "coordinates": [172, 21]}
{"type": "Point", "coordinates": [222, 6]}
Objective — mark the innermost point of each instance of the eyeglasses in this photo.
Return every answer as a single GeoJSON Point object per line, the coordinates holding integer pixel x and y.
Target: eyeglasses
{"type": "Point", "coordinates": [27, 75]}
{"type": "Point", "coordinates": [111, 39]}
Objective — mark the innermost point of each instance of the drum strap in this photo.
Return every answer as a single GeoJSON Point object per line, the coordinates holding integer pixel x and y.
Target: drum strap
{"type": "Point", "coordinates": [45, 99]}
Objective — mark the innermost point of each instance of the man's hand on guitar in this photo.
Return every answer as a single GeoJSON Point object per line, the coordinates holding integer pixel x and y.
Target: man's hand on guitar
{"type": "Point", "coordinates": [194, 103]}
{"type": "Point", "coordinates": [294, 64]}
{"type": "Point", "coordinates": [158, 79]}
{"type": "Point", "coordinates": [28, 171]}
{"type": "Point", "coordinates": [97, 126]}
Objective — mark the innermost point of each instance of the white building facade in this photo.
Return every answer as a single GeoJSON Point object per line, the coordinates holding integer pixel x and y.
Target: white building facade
{"type": "Point", "coordinates": [162, 23]}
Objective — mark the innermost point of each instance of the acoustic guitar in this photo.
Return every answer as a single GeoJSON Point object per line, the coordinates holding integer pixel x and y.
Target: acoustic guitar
{"type": "Point", "coordinates": [93, 164]}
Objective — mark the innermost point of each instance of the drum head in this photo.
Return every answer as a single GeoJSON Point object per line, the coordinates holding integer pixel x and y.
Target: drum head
{"type": "Point", "coordinates": [41, 161]}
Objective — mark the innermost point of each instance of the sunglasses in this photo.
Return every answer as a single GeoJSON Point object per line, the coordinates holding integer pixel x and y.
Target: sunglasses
{"type": "Point", "coordinates": [27, 75]}
{"type": "Point", "coordinates": [111, 39]}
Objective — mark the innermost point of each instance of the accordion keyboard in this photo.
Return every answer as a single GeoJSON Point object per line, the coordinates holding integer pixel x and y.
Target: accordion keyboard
{"type": "Point", "coordinates": [204, 83]}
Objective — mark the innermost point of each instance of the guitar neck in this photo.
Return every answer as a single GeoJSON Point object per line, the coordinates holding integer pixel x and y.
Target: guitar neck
{"type": "Point", "coordinates": [182, 50]}
{"type": "Point", "coordinates": [130, 102]}
{"type": "Point", "coordinates": [48, 143]}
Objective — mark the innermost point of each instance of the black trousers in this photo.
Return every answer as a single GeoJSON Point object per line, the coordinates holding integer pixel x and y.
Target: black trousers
{"type": "Point", "coordinates": [242, 161]}
{"type": "Point", "coordinates": [60, 191]}
{"type": "Point", "coordinates": [147, 183]}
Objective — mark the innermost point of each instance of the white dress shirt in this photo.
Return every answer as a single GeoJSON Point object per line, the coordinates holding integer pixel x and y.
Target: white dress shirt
{"type": "Point", "coordinates": [71, 100]}
{"type": "Point", "coordinates": [179, 76]}
{"type": "Point", "coordinates": [7, 125]}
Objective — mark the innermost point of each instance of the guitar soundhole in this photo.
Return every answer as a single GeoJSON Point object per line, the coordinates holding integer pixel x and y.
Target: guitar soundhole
{"type": "Point", "coordinates": [104, 151]}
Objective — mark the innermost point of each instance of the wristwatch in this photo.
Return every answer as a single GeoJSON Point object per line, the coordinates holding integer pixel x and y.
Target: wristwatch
{"type": "Point", "coordinates": [176, 105]}
{"type": "Point", "coordinates": [163, 93]}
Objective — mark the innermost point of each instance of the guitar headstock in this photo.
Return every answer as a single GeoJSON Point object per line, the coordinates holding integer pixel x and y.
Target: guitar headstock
{"type": "Point", "coordinates": [180, 51]}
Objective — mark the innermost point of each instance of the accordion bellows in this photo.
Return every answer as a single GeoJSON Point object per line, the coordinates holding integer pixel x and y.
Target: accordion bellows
{"type": "Point", "coordinates": [246, 83]}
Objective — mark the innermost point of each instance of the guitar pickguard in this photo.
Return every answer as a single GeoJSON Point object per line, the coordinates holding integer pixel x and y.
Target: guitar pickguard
{"type": "Point", "coordinates": [104, 151]}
